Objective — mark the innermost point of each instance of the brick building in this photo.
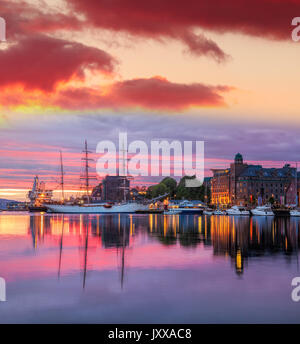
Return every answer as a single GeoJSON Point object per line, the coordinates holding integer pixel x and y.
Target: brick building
{"type": "Point", "coordinates": [115, 188]}
{"type": "Point", "coordinates": [245, 184]}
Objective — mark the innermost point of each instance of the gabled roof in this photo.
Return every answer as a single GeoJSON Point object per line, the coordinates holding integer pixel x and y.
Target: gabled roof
{"type": "Point", "coordinates": [257, 170]}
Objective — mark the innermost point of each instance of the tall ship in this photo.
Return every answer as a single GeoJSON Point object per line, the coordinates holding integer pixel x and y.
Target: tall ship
{"type": "Point", "coordinates": [124, 206]}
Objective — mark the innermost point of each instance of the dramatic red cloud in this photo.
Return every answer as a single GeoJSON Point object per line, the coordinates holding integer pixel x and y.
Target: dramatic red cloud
{"type": "Point", "coordinates": [154, 93]}
{"type": "Point", "coordinates": [23, 19]}
{"type": "Point", "coordinates": [178, 19]}
{"type": "Point", "coordinates": [41, 62]}
{"type": "Point", "coordinates": [151, 94]}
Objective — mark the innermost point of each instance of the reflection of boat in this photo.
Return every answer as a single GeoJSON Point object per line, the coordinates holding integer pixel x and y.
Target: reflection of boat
{"type": "Point", "coordinates": [172, 212]}
{"type": "Point", "coordinates": [264, 210]}
{"type": "Point", "coordinates": [127, 207]}
{"type": "Point", "coordinates": [237, 210]}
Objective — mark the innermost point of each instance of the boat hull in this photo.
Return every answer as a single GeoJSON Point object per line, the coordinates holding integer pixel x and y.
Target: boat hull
{"type": "Point", "coordinates": [97, 209]}
{"type": "Point", "coordinates": [218, 212]}
{"type": "Point", "coordinates": [281, 212]}
{"type": "Point", "coordinates": [190, 211]}
{"type": "Point", "coordinates": [261, 213]}
{"type": "Point", "coordinates": [34, 209]}
{"type": "Point", "coordinates": [237, 212]}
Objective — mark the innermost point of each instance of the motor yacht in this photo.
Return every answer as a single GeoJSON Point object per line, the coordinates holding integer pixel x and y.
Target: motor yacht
{"type": "Point", "coordinates": [264, 210]}
{"type": "Point", "coordinates": [237, 210]}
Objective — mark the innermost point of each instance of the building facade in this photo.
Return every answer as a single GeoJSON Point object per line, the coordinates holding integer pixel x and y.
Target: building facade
{"type": "Point", "coordinates": [115, 188]}
{"type": "Point", "coordinates": [243, 184]}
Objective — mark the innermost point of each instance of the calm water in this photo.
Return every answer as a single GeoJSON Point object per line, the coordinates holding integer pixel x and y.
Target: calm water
{"type": "Point", "coordinates": [148, 269]}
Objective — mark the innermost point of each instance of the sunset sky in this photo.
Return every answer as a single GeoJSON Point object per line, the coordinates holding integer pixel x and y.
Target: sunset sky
{"type": "Point", "coordinates": [226, 72]}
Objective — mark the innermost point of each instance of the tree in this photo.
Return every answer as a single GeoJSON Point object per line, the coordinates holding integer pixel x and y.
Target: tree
{"type": "Point", "coordinates": [271, 200]}
{"type": "Point", "coordinates": [182, 192]}
{"type": "Point", "coordinates": [171, 185]}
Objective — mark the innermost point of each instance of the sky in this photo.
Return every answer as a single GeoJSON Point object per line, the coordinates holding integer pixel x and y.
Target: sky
{"type": "Point", "coordinates": [223, 72]}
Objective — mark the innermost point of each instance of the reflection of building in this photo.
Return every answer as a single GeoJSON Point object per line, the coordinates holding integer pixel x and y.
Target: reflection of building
{"type": "Point", "coordinates": [115, 188]}
{"type": "Point", "coordinates": [239, 238]}
{"type": "Point", "coordinates": [252, 184]}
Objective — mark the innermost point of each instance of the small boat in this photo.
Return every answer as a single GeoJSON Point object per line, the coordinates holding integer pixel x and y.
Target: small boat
{"type": "Point", "coordinates": [219, 212]}
{"type": "Point", "coordinates": [208, 211]}
{"type": "Point", "coordinates": [172, 212]}
{"type": "Point", "coordinates": [295, 212]}
{"type": "Point", "coordinates": [187, 207]}
{"type": "Point", "coordinates": [283, 211]}
{"type": "Point", "coordinates": [264, 210]}
{"type": "Point", "coordinates": [237, 210]}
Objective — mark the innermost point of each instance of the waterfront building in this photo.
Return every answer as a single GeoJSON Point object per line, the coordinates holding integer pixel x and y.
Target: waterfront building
{"type": "Point", "coordinates": [115, 188]}
{"type": "Point", "coordinates": [244, 184]}
{"type": "Point", "coordinates": [96, 195]}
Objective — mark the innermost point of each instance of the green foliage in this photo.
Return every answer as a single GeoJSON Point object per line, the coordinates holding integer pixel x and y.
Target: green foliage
{"type": "Point", "coordinates": [271, 200]}
{"type": "Point", "coordinates": [183, 192]}
{"type": "Point", "coordinates": [171, 185]}
{"type": "Point", "coordinates": [180, 191]}
{"type": "Point", "coordinates": [167, 185]}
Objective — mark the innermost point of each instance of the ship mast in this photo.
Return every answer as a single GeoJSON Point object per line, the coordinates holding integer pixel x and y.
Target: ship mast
{"type": "Point", "coordinates": [86, 176]}
{"type": "Point", "coordinates": [62, 177]}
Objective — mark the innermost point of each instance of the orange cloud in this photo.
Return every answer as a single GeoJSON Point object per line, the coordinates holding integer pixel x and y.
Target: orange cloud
{"type": "Point", "coordinates": [155, 93]}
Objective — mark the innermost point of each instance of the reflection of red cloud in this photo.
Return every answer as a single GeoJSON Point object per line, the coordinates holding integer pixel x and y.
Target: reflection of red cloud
{"type": "Point", "coordinates": [41, 62]}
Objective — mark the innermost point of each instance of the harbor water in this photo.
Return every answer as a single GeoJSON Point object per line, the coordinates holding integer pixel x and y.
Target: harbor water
{"type": "Point", "coordinates": [148, 268]}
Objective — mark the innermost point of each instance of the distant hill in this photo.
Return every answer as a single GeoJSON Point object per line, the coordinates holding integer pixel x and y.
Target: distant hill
{"type": "Point", "coordinates": [3, 203]}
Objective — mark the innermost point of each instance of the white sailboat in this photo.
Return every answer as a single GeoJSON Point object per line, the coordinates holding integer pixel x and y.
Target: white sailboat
{"type": "Point", "coordinates": [93, 208]}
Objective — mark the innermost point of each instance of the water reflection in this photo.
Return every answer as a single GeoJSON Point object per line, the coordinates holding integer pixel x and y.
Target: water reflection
{"type": "Point", "coordinates": [238, 238]}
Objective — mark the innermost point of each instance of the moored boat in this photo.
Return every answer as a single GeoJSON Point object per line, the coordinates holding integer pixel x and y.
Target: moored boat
{"type": "Point", "coordinates": [218, 212]}
{"type": "Point", "coordinates": [281, 211]}
{"type": "Point", "coordinates": [295, 212]}
{"type": "Point", "coordinates": [208, 211]}
{"type": "Point", "coordinates": [264, 210]}
{"type": "Point", "coordinates": [187, 207]}
{"type": "Point", "coordinates": [172, 212]}
{"type": "Point", "coordinates": [237, 210]}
